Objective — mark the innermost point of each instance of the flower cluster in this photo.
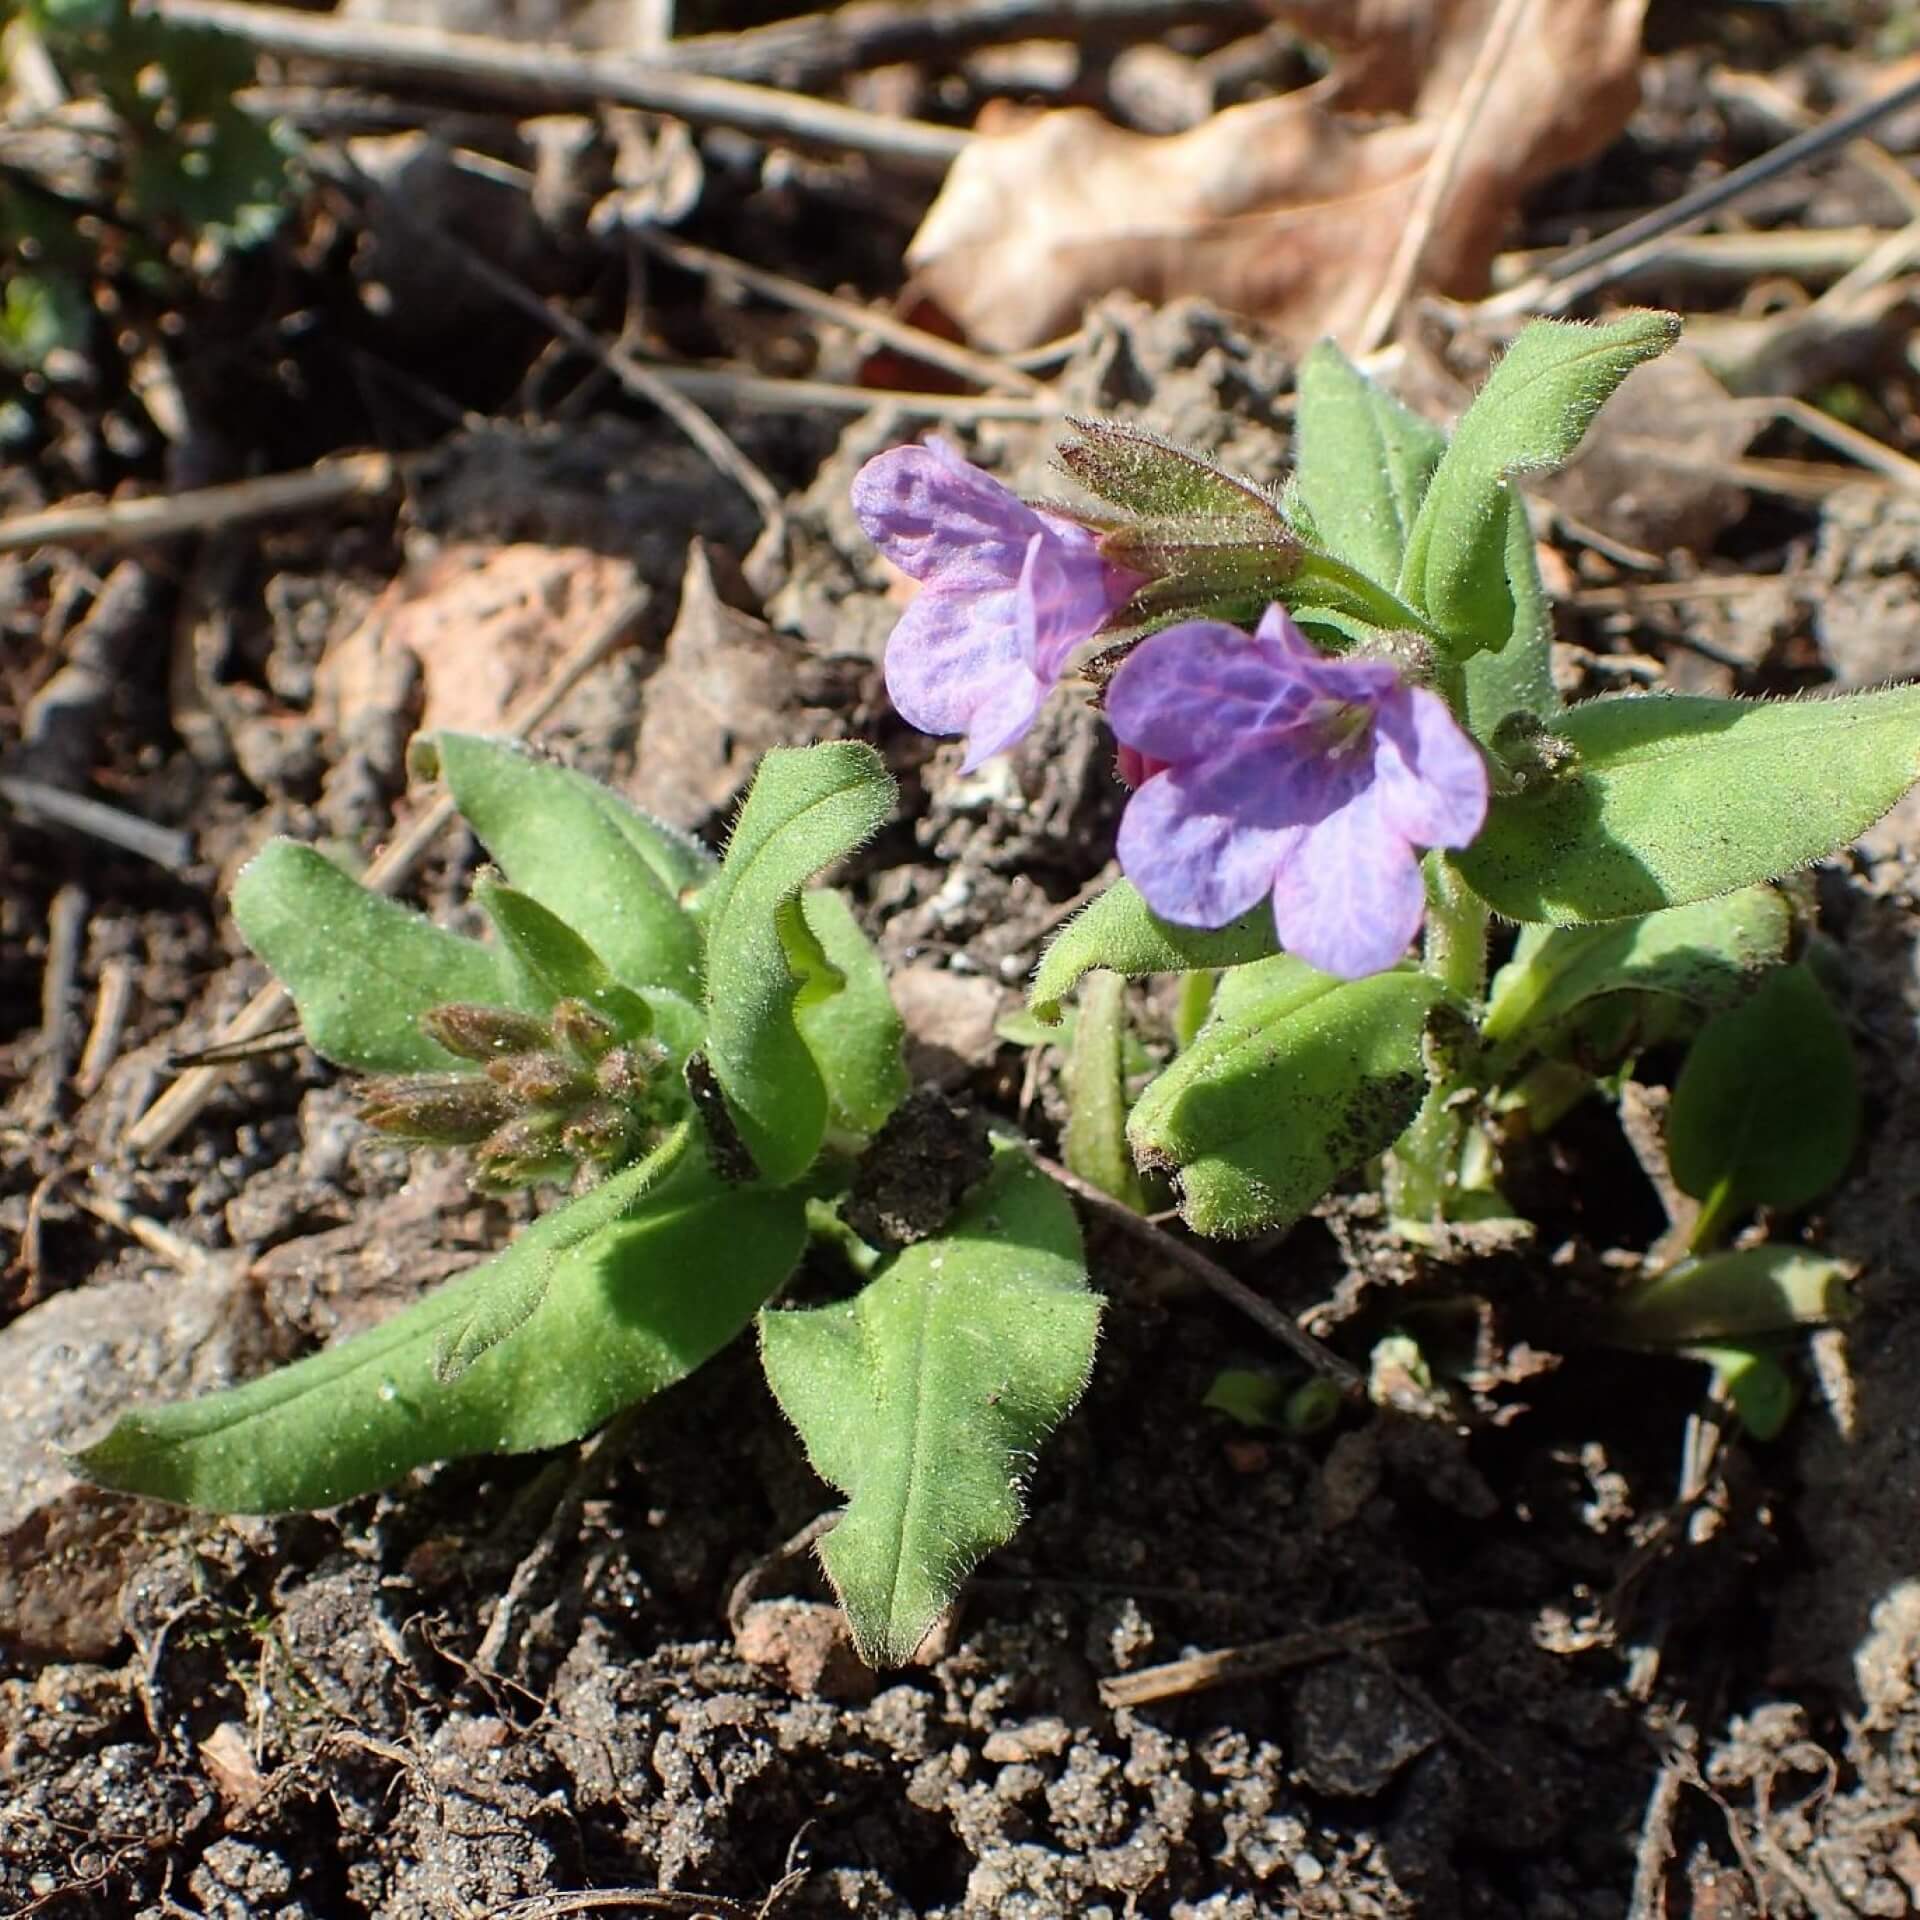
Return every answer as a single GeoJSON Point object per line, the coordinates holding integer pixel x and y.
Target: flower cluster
{"type": "Point", "coordinates": [1261, 767]}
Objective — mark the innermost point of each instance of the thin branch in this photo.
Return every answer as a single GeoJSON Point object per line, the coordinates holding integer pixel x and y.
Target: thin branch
{"type": "Point", "coordinates": [1258, 1660]}
{"type": "Point", "coordinates": [180, 1105]}
{"type": "Point", "coordinates": [980, 368]}
{"type": "Point", "coordinates": [1582, 270]}
{"type": "Point", "coordinates": [816, 49]}
{"type": "Point", "coordinates": [353, 476]}
{"type": "Point", "coordinates": [50, 806]}
{"type": "Point", "coordinates": [1235, 1291]}
{"type": "Point", "coordinates": [557, 77]}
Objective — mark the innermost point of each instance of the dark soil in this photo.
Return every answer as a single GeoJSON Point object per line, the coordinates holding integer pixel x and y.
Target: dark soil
{"type": "Point", "coordinates": [1528, 1666]}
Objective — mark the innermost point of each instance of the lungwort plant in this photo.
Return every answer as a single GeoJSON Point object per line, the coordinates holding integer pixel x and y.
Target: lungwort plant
{"type": "Point", "coordinates": [1334, 706]}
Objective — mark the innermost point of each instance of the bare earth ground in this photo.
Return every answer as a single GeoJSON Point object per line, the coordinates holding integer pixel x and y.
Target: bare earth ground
{"type": "Point", "coordinates": [1524, 1670]}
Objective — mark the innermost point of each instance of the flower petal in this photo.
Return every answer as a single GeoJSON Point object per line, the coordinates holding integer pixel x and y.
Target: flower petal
{"type": "Point", "coordinates": [950, 654]}
{"type": "Point", "coordinates": [930, 511]}
{"type": "Point", "coordinates": [1200, 688]}
{"type": "Point", "coordinates": [1431, 778]}
{"type": "Point", "coordinates": [1004, 715]}
{"type": "Point", "coordinates": [1066, 591]}
{"type": "Point", "coordinates": [1193, 864]}
{"type": "Point", "coordinates": [1349, 896]}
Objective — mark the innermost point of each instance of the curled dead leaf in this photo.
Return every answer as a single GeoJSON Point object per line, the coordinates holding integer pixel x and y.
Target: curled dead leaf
{"type": "Point", "coordinates": [1288, 210]}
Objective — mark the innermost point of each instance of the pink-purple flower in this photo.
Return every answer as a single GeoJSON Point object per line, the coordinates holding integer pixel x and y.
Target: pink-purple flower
{"type": "Point", "coordinates": [1289, 773]}
{"type": "Point", "coordinates": [1007, 593]}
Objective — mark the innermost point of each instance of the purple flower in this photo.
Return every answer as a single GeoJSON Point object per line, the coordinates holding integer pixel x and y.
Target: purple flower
{"type": "Point", "coordinates": [1007, 593]}
{"type": "Point", "coordinates": [1290, 773]}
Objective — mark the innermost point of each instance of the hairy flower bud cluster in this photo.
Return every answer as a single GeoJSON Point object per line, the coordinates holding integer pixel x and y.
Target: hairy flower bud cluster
{"type": "Point", "coordinates": [553, 1098]}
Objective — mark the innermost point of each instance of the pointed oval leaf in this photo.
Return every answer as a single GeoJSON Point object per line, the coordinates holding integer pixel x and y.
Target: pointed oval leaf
{"type": "Point", "coordinates": [585, 855]}
{"type": "Point", "coordinates": [362, 969]}
{"type": "Point", "coordinates": [1269, 1107]}
{"type": "Point", "coordinates": [554, 963]}
{"type": "Point", "coordinates": [513, 1290]}
{"type": "Point", "coordinates": [808, 807]}
{"type": "Point", "coordinates": [856, 1035]}
{"type": "Point", "coordinates": [1733, 1296]}
{"type": "Point", "coordinates": [1363, 461]}
{"type": "Point", "coordinates": [1120, 932]}
{"type": "Point", "coordinates": [1516, 677]}
{"type": "Point", "coordinates": [1533, 411]}
{"type": "Point", "coordinates": [1678, 797]}
{"type": "Point", "coordinates": [1710, 953]}
{"type": "Point", "coordinates": [1766, 1111]}
{"type": "Point", "coordinates": [633, 1302]}
{"type": "Point", "coordinates": [925, 1398]}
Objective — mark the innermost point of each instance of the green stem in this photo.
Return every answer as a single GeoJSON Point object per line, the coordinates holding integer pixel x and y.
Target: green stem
{"type": "Point", "coordinates": [1423, 1167]}
{"type": "Point", "coordinates": [1345, 589]}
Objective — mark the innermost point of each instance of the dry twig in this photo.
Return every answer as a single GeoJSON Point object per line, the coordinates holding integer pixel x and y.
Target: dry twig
{"type": "Point", "coordinates": [1258, 1660]}
{"type": "Point", "coordinates": [557, 77]}
{"type": "Point", "coordinates": [1230, 1288]}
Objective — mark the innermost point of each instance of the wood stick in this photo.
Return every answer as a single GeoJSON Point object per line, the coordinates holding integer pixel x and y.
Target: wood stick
{"type": "Point", "coordinates": [352, 476]}
{"type": "Point", "coordinates": [1258, 1660]}
{"type": "Point", "coordinates": [556, 76]}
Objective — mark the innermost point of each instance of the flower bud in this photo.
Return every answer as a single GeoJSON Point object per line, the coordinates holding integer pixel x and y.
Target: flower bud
{"type": "Point", "coordinates": [520, 1153]}
{"type": "Point", "coordinates": [482, 1033]}
{"type": "Point", "coordinates": [585, 1032]}
{"type": "Point", "coordinates": [599, 1131]}
{"type": "Point", "coordinates": [438, 1109]}
{"type": "Point", "coordinates": [627, 1073]}
{"type": "Point", "coordinates": [540, 1080]}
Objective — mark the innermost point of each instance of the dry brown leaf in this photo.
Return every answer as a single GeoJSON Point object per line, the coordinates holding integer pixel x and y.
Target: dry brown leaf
{"type": "Point", "coordinates": [481, 624]}
{"type": "Point", "coordinates": [1288, 210]}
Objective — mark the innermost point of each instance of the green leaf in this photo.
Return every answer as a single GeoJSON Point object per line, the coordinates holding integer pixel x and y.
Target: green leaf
{"type": "Point", "coordinates": [1516, 677]}
{"type": "Point", "coordinates": [1363, 462]}
{"type": "Point", "coordinates": [1529, 417]}
{"type": "Point", "coordinates": [1753, 1379]}
{"type": "Point", "coordinates": [1094, 1142]}
{"type": "Point", "coordinates": [361, 969]}
{"type": "Point", "coordinates": [1120, 932]}
{"type": "Point", "coordinates": [1709, 953]}
{"type": "Point", "coordinates": [554, 963]}
{"type": "Point", "coordinates": [856, 1035]}
{"type": "Point", "coordinates": [1766, 1111]}
{"type": "Point", "coordinates": [513, 1289]}
{"type": "Point", "coordinates": [1676, 797]}
{"type": "Point", "coordinates": [925, 1398]}
{"type": "Point", "coordinates": [1247, 1396]}
{"type": "Point", "coordinates": [584, 854]}
{"type": "Point", "coordinates": [1279, 1097]}
{"type": "Point", "coordinates": [632, 1304]}
{"type": "Point", "coordinates": [808, 807]}
{"type": "Point", "coordinates": [1732, 1296]}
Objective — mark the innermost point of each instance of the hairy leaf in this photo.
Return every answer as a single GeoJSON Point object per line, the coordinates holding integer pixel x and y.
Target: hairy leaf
{"type": "Point", "coordinates": [362, 969]}
{"type": "Point", "coordinates": [1710, 953]}
{"type": "Point", "coordinates": [856, 1035]}
{"type": "Point", "coordinates": [554, 963]}
{"type": "Point", "coordinates": [633, 1302]}
{"type": "Point", "coordinates": [1530, 416]}
{"type": "Point", "coordinates": [925, 1398]}
{"type": "Point", "coordinates": [1120, 932]}
{"type": "Point", "coordinates": [584, 854]}
{"type": "Point", "coordinates": [1675, 798]}
{"type": "Point", "coordinates": [1279, 1097]}
{"type": "Point", "coordinates": [1518, 676]}
{"type": "Point", "coordinates": [1362, 463]}
{"type": "Point", "coordinates": [808, 807]}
